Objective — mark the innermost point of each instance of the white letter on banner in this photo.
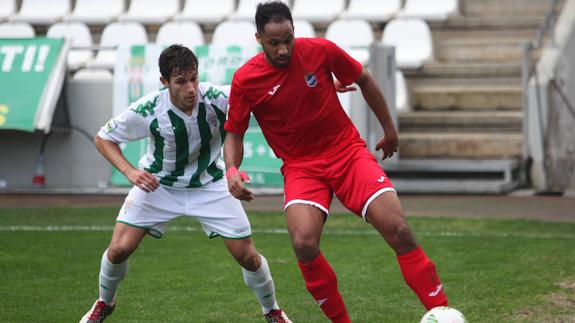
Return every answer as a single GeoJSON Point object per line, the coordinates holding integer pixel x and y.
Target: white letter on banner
{"type": "Point", "coordinates": [10, 53]}
{"type": "Point", "coordinates": [42, 55]}
{"type": "Point", "coordinates": [28, 58]}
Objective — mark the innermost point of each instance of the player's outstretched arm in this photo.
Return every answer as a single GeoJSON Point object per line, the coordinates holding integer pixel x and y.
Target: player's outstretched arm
{"type": "Point", "coordinates": [112, 152]}
{"type": "Point", "coordinates": [233, 156]}
{"type": "Point", "coordinates": [374, 98]}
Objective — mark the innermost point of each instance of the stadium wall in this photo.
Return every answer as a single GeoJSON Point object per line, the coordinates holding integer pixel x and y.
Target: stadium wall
{"type": "Point", "coordinates": [551, 111]}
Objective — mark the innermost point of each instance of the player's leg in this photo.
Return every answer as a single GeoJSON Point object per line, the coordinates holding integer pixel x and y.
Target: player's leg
{"type": "Point", "coordinates": [257, 277]}
{"type": "Point", "coordinates": [222, 215]}
{"type": "Point", "coordinates": [364, 188]}
{"type": "Point", "coordinates": [141, 213]}
{"type": "Point", "coordinates": [305, 223]}
{"type": "Point", "coordinates": [113, 269]}
{"type": "Point", "coordinates": [384, 213]}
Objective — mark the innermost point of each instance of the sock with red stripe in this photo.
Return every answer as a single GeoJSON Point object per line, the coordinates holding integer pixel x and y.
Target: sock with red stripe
{"type": "Point", "coordinates": [420, 275]}
{"type": "Point", "coordinates": [321, 282]}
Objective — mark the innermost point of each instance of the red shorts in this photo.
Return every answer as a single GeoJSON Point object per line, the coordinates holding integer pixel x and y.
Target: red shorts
{"type": "Point", "coordinates": [353, 175]}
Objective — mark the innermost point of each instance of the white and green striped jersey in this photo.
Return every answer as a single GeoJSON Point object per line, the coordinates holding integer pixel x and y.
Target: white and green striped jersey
{"type": "Point", "coordinates": [183, 151]}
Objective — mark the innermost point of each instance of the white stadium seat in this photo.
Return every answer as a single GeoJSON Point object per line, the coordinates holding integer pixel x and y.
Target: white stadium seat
{"type": "Point", "coordinates": [7, 8]}
{"type": "Point", "coordinates": [208, 12]}
{"type": "Point", "coordinates": [401, 92]}
{"type": "Point", "coordinates": [240, 33]}
{"type": "Point", "coordinates": [303, 28]}
{"type": "Point", "coordinates": [188, 34]}
{"type": "Point", "coordinates": [151, 11]}
{"type": "Point", "coordinates": [115, 34]}
{"type": "Point", "coordinates": [317, 11]}
{"type": "Point", "coordinates": [99, 12]}
{"type": "Point", "coordinates": [372, 10]}
{"type": "Point", "coordinates": [353, 35]}
{"type": "Point", "coordinates": [412, 41]}
{"type": "Point", "coordinates": [16, 30]}
{"type": "Point", "coordinates": [81, 42]}
{"type": "Point", "coordinates": [436, 10]}
{"type": "Point", "coordinates": [247, 9]}
{"type": "Point", "coordinates": [42, 12]}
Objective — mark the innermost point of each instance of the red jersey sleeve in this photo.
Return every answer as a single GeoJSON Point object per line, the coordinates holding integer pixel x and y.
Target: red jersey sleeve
{"type": "Point", "coordinates": [239, 110]}
{"type": "Point", "coordinates": [345, 68]}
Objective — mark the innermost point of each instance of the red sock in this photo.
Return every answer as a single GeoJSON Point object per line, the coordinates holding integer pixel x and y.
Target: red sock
{"type": "Point", "coordinates": [420, 274]}
{"type": "Point", "coordinates": [321, 282]}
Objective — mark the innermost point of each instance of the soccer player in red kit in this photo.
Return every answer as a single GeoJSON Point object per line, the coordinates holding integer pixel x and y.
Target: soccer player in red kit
{"type": "Point", "coordinates": [290, 90]}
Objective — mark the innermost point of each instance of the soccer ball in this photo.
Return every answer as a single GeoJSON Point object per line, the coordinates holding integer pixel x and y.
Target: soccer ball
{"type": "Point", "coordinates": [443, 314]}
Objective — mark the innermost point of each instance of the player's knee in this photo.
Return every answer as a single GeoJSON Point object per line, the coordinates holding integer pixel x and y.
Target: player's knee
{"type": "Point", "coordinates": [118, 253]}
{"type": "Point", "coordinates": [305, 249]}
{"type": "Point", "coordinates": [249, 260]}
{"type": "Point", "coordinates": [402, 237]}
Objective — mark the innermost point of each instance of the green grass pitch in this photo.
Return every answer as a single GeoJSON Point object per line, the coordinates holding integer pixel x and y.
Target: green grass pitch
{"type": "Point", "coordinates": [493, 270]}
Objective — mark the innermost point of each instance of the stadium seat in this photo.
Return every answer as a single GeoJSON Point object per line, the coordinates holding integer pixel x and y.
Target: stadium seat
{"type": "Point", "coordinates": [90, 74]}
{"type": "Point", "coordinates": [81, 42]}
{"type": "Point", "coordinates": [99, 12]}
{"type": "Point", "coordinates": [353, 35]}
{"type": "Point", "coordinates": [412, 41]}
{"type": "Point", "coordinates": [115, 34]}
{"type": "Point", "coordinates": [208, 12]}
{"type": "Point", "coordinates": [401, 92]}
{"type": "Point", "coordinates": [7, 8]}
{"type": "Point", "coordinates": [151, 12]}
{"type": "Point", "coordinates": [303, 28]}
{"type": "Point", "coordinates": [188, 34]}
{"type": "Point", "coordinates": [437, 10]}
{"type": "Point", "coordinates": [317, 11]}
{"type": "Point", "coordinates": [16, 30]}
{"type": "Point", "coordinates": [235, 33]}
{"type": "Point", "coordinates": [247, 9]}
{"type": "Point", "coordinates": [372, 10]}
{"type": "Point", "coordinates": [42, 12]}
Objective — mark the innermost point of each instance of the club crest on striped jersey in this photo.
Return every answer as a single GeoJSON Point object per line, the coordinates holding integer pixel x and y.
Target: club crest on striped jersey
{"type": "Point", "coordinates": [310, 79]}
{"type": "Point", "coordinates": [212, 119]}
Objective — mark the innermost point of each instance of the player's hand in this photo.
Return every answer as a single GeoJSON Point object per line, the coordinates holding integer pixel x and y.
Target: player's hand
{"type": "Point", "coordinates": [236, 185]}
{"type": "Point", "coordinates": [142, 179]}
{"type": "Point", "coordinates": [389, 143]}
{"type": "Point", "coordinates": [339, 87]}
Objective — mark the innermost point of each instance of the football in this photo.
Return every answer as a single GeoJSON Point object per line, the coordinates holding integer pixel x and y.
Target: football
{"type": "Point", "coordinates": [443, 314]}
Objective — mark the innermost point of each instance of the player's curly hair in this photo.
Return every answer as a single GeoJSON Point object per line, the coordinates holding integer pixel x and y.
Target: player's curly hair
{"type": "Point", "coordinates": [176, 58]}
{"type": "Point", "coordinates": [275, 11]}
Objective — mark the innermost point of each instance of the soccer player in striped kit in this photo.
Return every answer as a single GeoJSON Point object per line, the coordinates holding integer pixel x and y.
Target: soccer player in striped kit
{"type": "Point", "coordinates": [180, 174]}
{"type": "Point", "coordinates": [290, 90]}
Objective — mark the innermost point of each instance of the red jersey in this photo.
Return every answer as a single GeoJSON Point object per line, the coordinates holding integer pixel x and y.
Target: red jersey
{"type": "Point", "coordinates": [297, 106]}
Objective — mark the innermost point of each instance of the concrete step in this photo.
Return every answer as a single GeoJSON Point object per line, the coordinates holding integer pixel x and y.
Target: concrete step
{"type": "Point", "coordinates": [449, 70]}
{"type": "Point", "coordinates": [468, 50]}
{"type": "Point", "coordinates": [466, 94]}
{"type": "Point", "coordinates": [489, 22]}
{"type": "Point", "coordinates": [460, 145]}
{"type": "Point", "coordinates": [454, 176]}
{"type": "Point", "coordinates": [456, 121]}
{"type": "Point", "coordinates": [504, 7]}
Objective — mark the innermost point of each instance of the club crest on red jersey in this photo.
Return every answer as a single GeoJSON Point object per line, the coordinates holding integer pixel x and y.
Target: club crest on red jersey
{"type": "Point", "coordinates": [310, 79]}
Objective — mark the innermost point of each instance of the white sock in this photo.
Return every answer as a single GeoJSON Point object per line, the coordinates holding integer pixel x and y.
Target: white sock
{"type": "Point", "coordinates": [110, 277]}
{"type": "Point", "coordinates": [261, 282]}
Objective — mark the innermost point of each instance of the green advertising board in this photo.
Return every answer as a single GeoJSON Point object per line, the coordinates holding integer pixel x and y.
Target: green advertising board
{"type": "Point", "coordinates": [32, 73]}
{"type": "Point", "coordinates": [136, 73]}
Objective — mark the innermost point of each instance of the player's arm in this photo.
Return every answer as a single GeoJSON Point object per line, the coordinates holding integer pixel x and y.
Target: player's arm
{"type": "Point", "coordinates": [374, 98]}
{"type": "Point", "coordinates": [112, 152]}
{"type": "Point", "coordinates": [233, 156]}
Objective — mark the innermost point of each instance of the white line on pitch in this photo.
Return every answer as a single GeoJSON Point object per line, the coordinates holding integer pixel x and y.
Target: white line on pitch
{"type": "Point", "coordinates": [61, 228]}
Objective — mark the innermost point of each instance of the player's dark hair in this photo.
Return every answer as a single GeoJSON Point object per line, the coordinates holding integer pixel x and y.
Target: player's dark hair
{"type": "Point", "coordinates": [271, 11]}
{"type": "Point", "coordinates": [176, 58]}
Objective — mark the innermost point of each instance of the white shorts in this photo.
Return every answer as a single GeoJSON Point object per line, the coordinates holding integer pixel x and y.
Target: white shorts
{"type": "Point", "coordinates": [219, 213]}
